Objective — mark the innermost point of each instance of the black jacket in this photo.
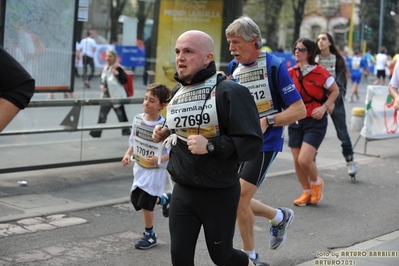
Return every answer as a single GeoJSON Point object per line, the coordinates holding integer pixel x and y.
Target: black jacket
{"type": "Point", "coordinates": [240, 139]}
{"type": "Point", "coordinates": [16, 85]}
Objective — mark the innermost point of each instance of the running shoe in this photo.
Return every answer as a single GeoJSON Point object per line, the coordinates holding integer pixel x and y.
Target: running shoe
{"type": "Point", "coordinates": [147, 241]}
{"type": "Point", "coordinates": [278, 232]}
{"type": "Point", "coordinates": [303, 199]}
{"type": "Point", "coordinates": [317, 192]}
{"type": "Point", "coordinates": [255, 260]}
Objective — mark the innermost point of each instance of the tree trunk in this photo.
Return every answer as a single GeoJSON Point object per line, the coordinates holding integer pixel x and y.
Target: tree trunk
{"type": "Point", "coordinates": [116, 10]}
{"type": "Point", "coordinates": [141, 20]}
{"type": "Point", "coordinates": [273, 9]}
{"type": "Point", "coordinates": [299, 9]}
{"type": "Point", "coordinates": [232, 9]}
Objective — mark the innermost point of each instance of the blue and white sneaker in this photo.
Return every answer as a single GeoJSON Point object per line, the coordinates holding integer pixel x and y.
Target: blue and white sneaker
{"type": "Point", "coordinates": [147, 241]}
{"type": "Point", "coordinates": [278, 232]}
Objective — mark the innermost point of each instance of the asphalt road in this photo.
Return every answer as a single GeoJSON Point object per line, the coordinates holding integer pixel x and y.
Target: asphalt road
{"type": "Point", "coordinates": [350, 213]}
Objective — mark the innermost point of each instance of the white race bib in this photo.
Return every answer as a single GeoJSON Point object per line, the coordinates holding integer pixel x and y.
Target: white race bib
{"type": "Point", "coordinates": [192, 111]}
{"type": "Point", "coordinates": [143, 144]}
{"type": "Point", "coordinates": [254, 77]}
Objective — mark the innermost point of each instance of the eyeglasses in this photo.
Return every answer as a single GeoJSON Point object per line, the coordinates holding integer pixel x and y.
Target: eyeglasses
{"type": "Point", "coordinates": [300, 49]}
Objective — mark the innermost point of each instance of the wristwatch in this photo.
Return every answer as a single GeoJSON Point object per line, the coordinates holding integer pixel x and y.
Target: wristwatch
{"type": "Point", "coordinates": [210, 147]}
{"type": "Point", "coordinates": [270, 120]}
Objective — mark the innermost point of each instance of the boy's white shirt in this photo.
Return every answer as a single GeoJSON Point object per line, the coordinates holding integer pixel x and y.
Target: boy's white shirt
{"type": "Point", "coordinates": [151, 181]}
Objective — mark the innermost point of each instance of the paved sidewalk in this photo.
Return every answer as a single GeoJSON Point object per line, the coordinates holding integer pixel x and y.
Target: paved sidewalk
{"type": "Point", "coordinates": [57, 191]}
{"type": "Point", "coordinates": [53, 191]}
{"type": "Point", "coordinates": [383, 250]}
{"type": "Point", "coordinates": [108, 184]}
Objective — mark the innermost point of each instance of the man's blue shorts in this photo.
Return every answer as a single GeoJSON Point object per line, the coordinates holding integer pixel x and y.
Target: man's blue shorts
{"type": "Point", "coordinates": [356, 78]}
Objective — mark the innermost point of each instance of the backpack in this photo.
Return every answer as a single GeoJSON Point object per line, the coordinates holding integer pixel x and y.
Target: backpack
{"type": "Point", "coordinates": [323, 99]}
{"type": "Point", "coordinates": [129, 82]}
{"type": "Point", "coordinates": [272, 67]}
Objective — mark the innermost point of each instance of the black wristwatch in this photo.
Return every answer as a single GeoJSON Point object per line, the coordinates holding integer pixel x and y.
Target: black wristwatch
{"type": "Point", "coordinates": [270, 120]}
{"type": "Point", "coordinates": [210, 147]}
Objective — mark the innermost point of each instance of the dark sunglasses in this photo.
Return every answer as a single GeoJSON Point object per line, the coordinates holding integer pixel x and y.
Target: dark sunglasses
{"type": "Point", "coordinates": [300, 49]}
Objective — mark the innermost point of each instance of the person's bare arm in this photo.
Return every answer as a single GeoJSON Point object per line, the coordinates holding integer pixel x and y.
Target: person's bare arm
{"type": "Point", "coordinates": [296, 111]}
{"type": "Point", "coordinates": [395, 95]}
{"type": "Point", "coordinates": [7, 112]}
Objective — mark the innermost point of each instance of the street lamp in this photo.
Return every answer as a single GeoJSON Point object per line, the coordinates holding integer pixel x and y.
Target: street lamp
{"type": "Point", "coordinates": [381, 24]}
{"type": "Point", "coordinates": [393, 10]}
{"type": "Point", "coordinates": [350, 37]}
{"type": "Point", "coordinates": [382, 11]}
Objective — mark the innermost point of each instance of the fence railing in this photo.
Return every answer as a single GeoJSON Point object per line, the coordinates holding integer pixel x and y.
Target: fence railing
{"type": "Point", "coordinates": [70, 123]}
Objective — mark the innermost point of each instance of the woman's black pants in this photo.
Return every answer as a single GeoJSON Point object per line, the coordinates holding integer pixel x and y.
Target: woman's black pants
{"type": "Point", "coordinates": [104, 111]}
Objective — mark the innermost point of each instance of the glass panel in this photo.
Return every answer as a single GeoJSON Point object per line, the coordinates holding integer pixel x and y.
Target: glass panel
{"type": "Point", "coordinates": [39, 34]}
{"type": "Point", "coordinates": [55, 129]}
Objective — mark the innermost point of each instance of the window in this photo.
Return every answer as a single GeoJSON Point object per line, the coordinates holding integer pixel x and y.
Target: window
{"type": "Point", "coordinates": [315, 31]}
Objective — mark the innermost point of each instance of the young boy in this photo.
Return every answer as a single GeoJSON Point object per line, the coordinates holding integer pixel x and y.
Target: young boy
{"type": "Point", "coordinates": [149, 176]}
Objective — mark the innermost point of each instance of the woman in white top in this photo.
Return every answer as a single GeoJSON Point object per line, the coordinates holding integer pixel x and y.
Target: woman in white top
{"type": "Point", "coordinates": [381, 61]}
{"type": "Point", "coordinates": [112, 79]}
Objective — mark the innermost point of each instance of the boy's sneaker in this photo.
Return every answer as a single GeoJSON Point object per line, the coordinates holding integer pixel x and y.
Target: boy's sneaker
{"type": "Point", "coordinates": [317, 191]}
{"type": "Point", "coordinates": [147, 241]}
{"type": "Point", "coordinates": [352, 169]}
{"type": "Point", "coordinates": [165, 207]}
{"type": "Point", "coordinates": [279, 232]}
{"type": "Point", "coordinates": [303, 199]}
{"type": "Point", "coordinates": [262, 264]}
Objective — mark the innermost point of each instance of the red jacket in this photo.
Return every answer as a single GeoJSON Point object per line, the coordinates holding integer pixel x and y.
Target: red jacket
{"type": "Point", "coordinates": [311, 88]}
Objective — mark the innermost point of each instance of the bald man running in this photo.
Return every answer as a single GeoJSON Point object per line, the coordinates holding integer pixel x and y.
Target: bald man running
{"type": "Point", "coordinates": [209, 138]}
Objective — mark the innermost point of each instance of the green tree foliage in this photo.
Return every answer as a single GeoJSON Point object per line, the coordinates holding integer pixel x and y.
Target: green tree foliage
{"type": "Point", "coordinates": [370, 14]}
{"type": "Point", "coordinates": [266, 14]}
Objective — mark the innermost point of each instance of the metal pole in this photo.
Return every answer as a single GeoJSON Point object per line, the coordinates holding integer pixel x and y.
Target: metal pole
{"type": "Point", "coordinates": [350, 37]}
{"type": "Point", "coordinates": [381, 24]}
{"type": "Point", "coordinates": [361, 34]}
